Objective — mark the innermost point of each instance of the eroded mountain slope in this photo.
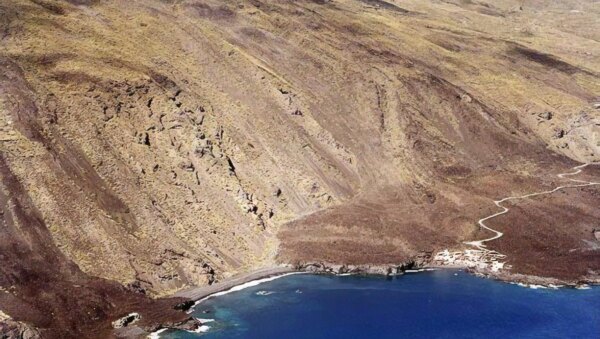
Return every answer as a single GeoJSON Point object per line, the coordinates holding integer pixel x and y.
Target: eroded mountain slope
{"type": "Point", "coordinates": [165, 144]}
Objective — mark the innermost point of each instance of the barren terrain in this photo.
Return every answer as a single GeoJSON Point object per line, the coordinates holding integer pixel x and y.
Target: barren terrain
{"type": "Point", "coordinates": [150, 146]}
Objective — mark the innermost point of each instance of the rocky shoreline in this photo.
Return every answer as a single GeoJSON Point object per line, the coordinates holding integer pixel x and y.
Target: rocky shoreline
{"type": "Point", "coordinates": [126, 329]}
{"type": "Point", "coordinates": [193, 295]}
{"type": "Point", "coordinates": [536, 281]}
{"type": "Point", "coordinates": [418, 262]}
{"type": "Point", "coordinates": [422, 262]}
{"type": "Point", "coordinates": [485, 268]}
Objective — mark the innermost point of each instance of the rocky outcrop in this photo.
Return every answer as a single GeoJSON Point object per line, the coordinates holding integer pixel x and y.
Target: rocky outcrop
{"type": "Point", "coordinates": [350, 269]}
{"type": "Point", "coordinates": [582, 136]}
{"type": "Point", "coordinates": [17, 330]}
{"type": "Point", "coordinates": [126, 320]}
{"type": "Point", "coordinates": [419, 262]}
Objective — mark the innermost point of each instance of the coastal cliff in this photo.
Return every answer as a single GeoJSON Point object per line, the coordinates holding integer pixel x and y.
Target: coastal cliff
{"type": "Point", "coordinates": [150, 146]}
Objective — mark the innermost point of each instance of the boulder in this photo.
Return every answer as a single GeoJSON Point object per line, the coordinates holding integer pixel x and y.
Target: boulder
{"type": "Point", "coordinates": [546, 115]}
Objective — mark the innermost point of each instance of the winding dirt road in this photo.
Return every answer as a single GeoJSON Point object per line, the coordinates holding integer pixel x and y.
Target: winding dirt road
{"type": "Point", "coordinates": [582, 183]}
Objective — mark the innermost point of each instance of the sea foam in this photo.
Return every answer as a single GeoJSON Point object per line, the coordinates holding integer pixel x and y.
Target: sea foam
{"type": "Point", "coordinates": [246, 285]}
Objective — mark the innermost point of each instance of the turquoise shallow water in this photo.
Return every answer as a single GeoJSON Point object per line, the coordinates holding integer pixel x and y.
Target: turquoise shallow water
{"type": "Point", "coordinates": [439, 304]}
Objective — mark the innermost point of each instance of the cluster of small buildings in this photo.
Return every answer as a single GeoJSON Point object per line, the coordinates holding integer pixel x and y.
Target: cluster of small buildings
{"type": "Point", "coordinates": [484, 260]}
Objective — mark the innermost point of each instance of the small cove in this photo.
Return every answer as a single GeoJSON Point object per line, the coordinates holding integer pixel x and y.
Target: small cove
{"type": "Point", "coordinates": [437, 304]}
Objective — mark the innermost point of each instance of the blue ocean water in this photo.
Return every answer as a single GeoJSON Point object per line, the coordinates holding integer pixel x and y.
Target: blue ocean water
{"type": "Point", "coordinates": [438, 304]}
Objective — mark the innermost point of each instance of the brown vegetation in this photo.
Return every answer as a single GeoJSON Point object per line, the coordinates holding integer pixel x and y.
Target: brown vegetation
{"type": "Point", "coordinates": [149, 146]}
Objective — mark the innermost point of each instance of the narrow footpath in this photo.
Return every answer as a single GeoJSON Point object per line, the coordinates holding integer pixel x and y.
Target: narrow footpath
{"type": "Point", "coordinates": [480, 244]}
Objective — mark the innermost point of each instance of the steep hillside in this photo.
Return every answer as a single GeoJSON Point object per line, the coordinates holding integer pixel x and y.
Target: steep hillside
{"type": "Point", "coordinates": [147, 146]}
